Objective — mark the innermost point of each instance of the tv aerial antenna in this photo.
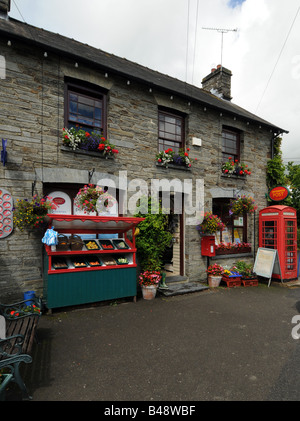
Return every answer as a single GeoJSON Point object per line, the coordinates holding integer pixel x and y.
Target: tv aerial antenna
{"type": "Point", "coordinates": [222, 31]}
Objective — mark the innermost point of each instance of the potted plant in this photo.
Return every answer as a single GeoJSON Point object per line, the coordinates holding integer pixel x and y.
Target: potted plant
{"type": "Point", "coordinates": [31, 213]}
{"type": "Point", "coordinates": [153, 238]}
{"type": "Point", "coordinates": [215, 273]}
{"type": "Point", "coordinates": [249, 278]}
{"type": "Point", "coordinates": [234, 167]}
{"type": "Point", "coordinates": [149, 281]}
{"type": "Point", "coordinates": [242, 204]}
{"type": "Point", "coordinates": [210, 225]}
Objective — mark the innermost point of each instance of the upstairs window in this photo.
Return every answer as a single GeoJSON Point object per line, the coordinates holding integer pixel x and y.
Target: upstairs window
{"type": "Point", "coordinates": [85, 107]}
{"type": "Point", "coordinates": [170, 131]}
{"type": "Point", "coordinates": [230, 144]}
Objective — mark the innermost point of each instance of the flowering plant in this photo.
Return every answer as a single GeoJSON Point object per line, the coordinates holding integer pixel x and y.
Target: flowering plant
{"type": "Point", "coordinates": [234, 167]}
{"type": "Point", "coordinates": [149, 277]}
{"type": "Point", "coordinates": [242, 204]}
{"type": "Point", "coordinates": [215, 270]}
{"type": "Point", "coordinates": [180, 158]}
{"type": "Point", "coordinates": [166, 156]}
{"type": "Point", "coordinates": [31, 213]}
{"type": "Point", "coordinates": [211, 224]}
{"type": "Point", "coordinates": [87, 198]}
{"type": "Point", "coordinates": [76, 138]}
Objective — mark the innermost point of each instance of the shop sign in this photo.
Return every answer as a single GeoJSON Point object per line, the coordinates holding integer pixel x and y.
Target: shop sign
{"type": "Point", "coordinates": [62, 201]}
{"type": "Point", "coordinates": [279, 193]}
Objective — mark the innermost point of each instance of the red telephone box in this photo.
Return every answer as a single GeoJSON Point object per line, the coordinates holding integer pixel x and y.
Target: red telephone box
{"type": "Point", "coordinates": [278, 230]}
{"type": "Point", "coordinates": [208, 245]}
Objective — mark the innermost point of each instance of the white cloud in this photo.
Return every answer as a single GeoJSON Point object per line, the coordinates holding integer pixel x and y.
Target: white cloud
{"type": "Point", "coordinates": [154, 33]}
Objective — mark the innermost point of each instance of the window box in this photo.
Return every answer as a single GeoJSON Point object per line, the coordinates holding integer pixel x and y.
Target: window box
{"type": "Point", "coordinates": [174, 167]}
{"type": "Point", "coordinates": [87, 153]}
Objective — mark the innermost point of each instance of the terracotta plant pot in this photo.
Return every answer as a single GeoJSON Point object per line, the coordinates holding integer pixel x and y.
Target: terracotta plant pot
{"type": "Point", "coordinates": [149, 292]}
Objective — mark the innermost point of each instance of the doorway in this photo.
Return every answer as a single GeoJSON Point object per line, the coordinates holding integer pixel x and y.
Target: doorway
{"type": "Point", "coordinates": [173, 262]}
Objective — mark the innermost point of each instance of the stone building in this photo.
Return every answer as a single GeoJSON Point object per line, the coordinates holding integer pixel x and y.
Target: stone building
{"type": "Point", "coordinates": [140, 111]}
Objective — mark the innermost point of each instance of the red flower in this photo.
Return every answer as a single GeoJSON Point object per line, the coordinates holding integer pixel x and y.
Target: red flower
{"type": "Point", "coordinates": [87, 134]}
{"type": "Point", "coordinates": [101, 146]}
{"type": "Point", "coordinates": [230, 158]}
{"type": "Point", "coordinates": [187, 149]}
{"type": "Point", "coordinates": [186, 154]}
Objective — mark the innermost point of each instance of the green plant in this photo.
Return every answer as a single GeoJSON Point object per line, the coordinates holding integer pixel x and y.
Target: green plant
{"type": "Point", "coordinates": [31, 213]}
{"type": "Point", "coordinates": [211, 224]}
{"type": "Point", "coordinates": [245, 269]}
{"type": "Point", "coordinates": [153, 238]}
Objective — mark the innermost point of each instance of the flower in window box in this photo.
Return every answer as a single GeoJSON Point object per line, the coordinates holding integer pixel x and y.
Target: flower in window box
{"type": "Point", "coordinates": [164, 157]}
{"type": "Point", "coordinates": [242, 204]}
{"type": "Point", "coordinates": [233, 167]}
{"type": "Point", "coordinates": [177, 158]}
{"type": "Point", "coordinates": [77, 138]}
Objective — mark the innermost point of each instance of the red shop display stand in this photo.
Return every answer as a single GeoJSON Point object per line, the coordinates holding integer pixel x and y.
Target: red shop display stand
{"type": "Point", "coordinates": [69, 285]}
{"type": "Point", "coordinates": [278, 231]}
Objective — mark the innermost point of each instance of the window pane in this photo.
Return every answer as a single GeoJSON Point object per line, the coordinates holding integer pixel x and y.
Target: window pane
{"type": "Point", "coordinates": [85, 110]}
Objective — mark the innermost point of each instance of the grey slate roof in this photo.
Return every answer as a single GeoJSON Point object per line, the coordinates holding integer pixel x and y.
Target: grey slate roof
{"type": "Point", "coordinates": [14, 29]}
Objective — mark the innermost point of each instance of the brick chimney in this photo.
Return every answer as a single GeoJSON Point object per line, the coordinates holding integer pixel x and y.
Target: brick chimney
{"type": "Point", "coordinates": [4, 8]}
{"type": "Point", "coordinates": [218, 82]}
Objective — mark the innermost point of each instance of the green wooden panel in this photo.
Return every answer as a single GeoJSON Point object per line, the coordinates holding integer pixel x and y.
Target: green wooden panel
{"type": "Point", "coordinates": [65, 289]}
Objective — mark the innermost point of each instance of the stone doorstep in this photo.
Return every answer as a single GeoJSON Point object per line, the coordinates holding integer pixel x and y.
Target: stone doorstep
{"type": "Point", "coordinates": [178, 285]}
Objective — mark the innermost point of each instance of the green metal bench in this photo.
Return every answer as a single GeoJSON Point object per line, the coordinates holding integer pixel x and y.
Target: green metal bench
{"type": "Point", "coordinates": [21, 321]}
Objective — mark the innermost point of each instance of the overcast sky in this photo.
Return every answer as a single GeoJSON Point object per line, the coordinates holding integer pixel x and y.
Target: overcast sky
{"type": "Point", "coordinates": [168, 36]}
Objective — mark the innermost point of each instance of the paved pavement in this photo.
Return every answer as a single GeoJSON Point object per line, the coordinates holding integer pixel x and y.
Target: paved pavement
{"type": "Point", "coordinates": [228, 344]}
